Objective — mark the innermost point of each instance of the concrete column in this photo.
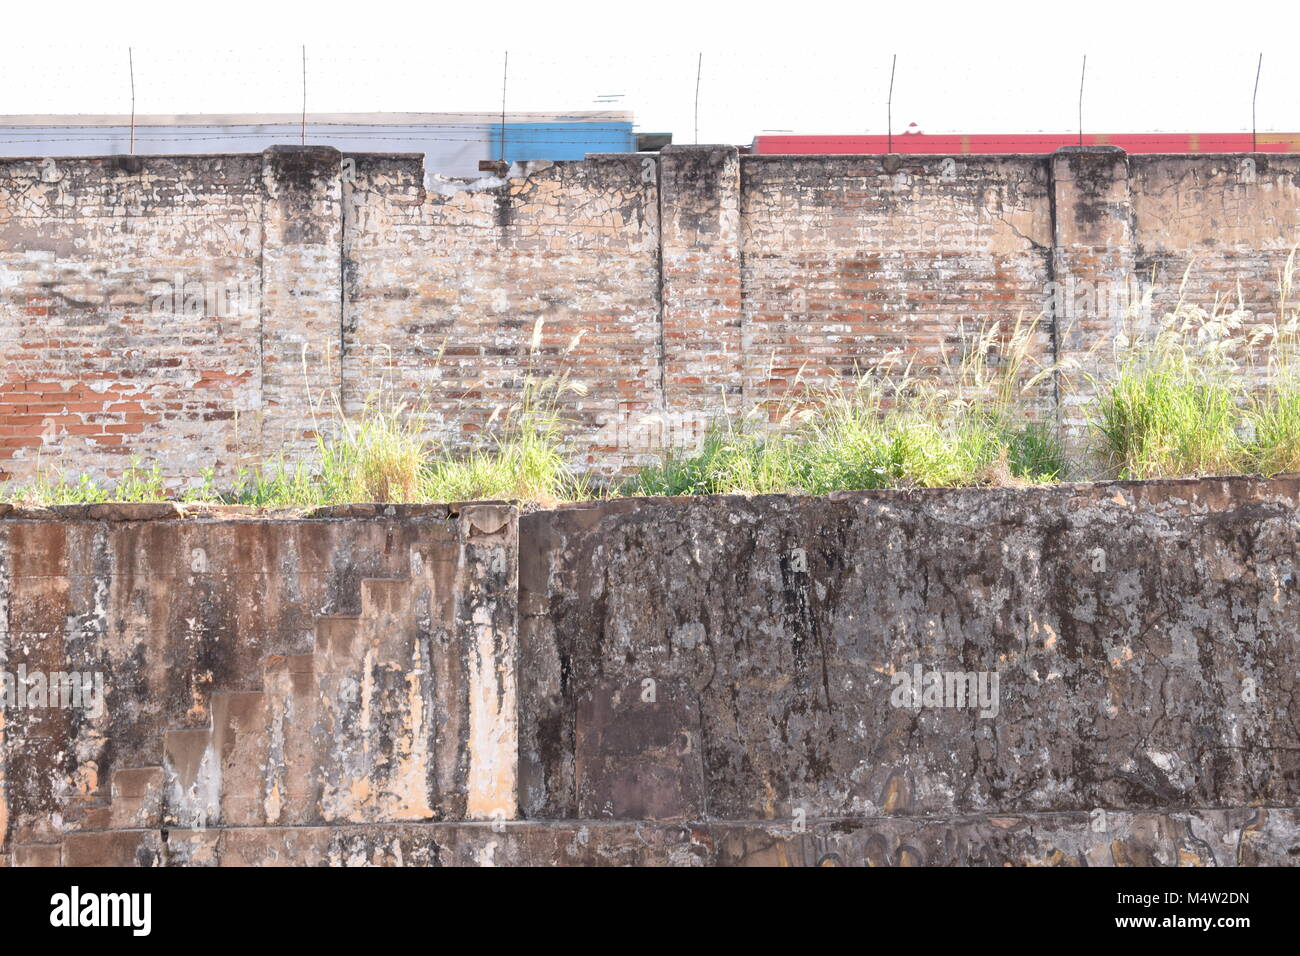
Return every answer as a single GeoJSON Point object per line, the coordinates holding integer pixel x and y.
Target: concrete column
{"type": "Point", "coordinates": [302, 256]}
{"type": "Point", "coordinates": [488, 621]}
{"type": "Point", "coordinates": [1093, 272]}
{"type": "Point", "coordinates": [702, 316]}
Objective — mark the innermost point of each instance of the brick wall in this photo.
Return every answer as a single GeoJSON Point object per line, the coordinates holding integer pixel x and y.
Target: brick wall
{"type": "Point", "coordinates": [130, 310]}
{"type": "Point", "coordinates": [854, 265]}
{"type": "Point", "coordinates": [207, 311]}
{"type": "Point", "coordinates": [1224, 229]}
{"type": "Point", "coordinates": [454, 300]}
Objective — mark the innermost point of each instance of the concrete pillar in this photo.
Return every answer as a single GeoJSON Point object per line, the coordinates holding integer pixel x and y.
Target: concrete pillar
{"type": "Point", "coordinates": [302, 258]}
{"type": "Point", "coordinates": [1093, 272]}
{"type": "Point", "coordinates": [702, 316]}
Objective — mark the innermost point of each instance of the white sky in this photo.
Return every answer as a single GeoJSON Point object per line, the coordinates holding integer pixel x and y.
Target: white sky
{"type": "Point", "coordinates": [806, 66]}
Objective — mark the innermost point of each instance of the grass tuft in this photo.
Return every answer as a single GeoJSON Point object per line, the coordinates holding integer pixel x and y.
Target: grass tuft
{"type": "Point", "coordinates": [1199, 396]}
{"type": "Point", "coordinates": [883, 433]}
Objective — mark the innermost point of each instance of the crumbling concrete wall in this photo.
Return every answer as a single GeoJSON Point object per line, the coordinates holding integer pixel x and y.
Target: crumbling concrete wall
{"type": "Point", "coordinates": [255, 672]}
{"type": "Point", "coordinates": [742, 659]}
{"type": "Point", "coordinates": [1222, 838]}
{"type": "Point", "coordinates": [210, 311]}
{"type": "Point", "coordinates": [678, 681]}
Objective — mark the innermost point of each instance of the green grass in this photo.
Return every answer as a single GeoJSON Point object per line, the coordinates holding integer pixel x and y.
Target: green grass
{"type": "Point", "coordinates": [1275, 424]}
{"type": "Point", "coordinates": [380, 455]}
{"type": "Point", "coordinates": [851, 448]}
{"type": "Point", "coordinates": [1274, 415]}
{"type": "Point", "coordinates": [883, 432]}
{"type": "Point", "coordinates": [136, 483]}
{"type": "Point", "coordinates": [1199, 396]}
{"type": "Point", "coordinates": [1167, 421]}
{"type": "Point", "coordinates": [384, 456]}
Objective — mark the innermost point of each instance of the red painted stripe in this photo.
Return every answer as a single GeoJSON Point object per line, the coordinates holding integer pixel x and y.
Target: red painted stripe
{"type": "Point", "coordinates": [945, 144]}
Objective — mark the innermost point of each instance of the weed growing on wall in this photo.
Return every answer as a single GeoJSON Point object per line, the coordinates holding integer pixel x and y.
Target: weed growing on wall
{"type": "Point", "coordinates": [1273, 422]}
{"type": "Point", "coordinates": [884, 431]}
{"type": "Point", "coordinates": [383, 454]}
{"type": "Point", "coordinates": [136, 483]}
{"type": "Point", "coordinates": [1174, 403]}
{"type": "Point", "coordinates": [1198, 395]}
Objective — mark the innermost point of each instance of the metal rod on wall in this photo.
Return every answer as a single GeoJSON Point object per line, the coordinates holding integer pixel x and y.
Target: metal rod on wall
{"type": "Point", "coordinates": [889, 104]}
{"type": "Point", "coordinates": [1255, 96]}
{"type": "Point", "coordinates": [304, 95]}
{"type": "Point", "coordinates": [699, 69]}
{"type": "Point", "coordinates": [130, 60]}
{"type": "Point", "coordinates": [1082, 73]}
{"type": "Point", "coordinates": [505, 75]}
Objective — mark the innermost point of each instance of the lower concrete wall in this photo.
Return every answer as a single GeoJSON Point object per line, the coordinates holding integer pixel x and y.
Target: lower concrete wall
{"type": "Point", "coordinates": [736, 658]}
{"type": "Point", "coordinates": [713, 681]}
{"type": "Point", "coordinates": [255, 672]}
{"type": "Point", "coordinates": [1225, 838]}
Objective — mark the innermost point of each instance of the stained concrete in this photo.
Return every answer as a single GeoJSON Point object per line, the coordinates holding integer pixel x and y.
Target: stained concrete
{"type": "Point", "coordinates": [706, 681]}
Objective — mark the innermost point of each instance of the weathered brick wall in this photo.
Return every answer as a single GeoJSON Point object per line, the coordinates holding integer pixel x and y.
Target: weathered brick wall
{"type": "Point", "coordinates": [703, 315]}
{"type": "Point", "coordinates": [453, 300]}
{"type": "Point", "coordinates": [130, 310]}
{"type": "Point", "coordinates": [208, 311]}
{"type": "Point", "coordinates": [302, 267]}
{"type": "Point", "coordinates": [853, 265]}
{"type": "Point", "coordinates": [1233, 219]}
{"type": "Point", "coordinates": [1222, 230]}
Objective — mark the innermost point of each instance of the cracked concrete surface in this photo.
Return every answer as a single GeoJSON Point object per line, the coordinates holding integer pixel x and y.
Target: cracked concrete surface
{"type": "Point", "coordinates": [707, 681]}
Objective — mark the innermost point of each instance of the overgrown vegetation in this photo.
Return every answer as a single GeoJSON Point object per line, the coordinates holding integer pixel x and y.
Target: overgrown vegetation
{"type": "Point", "coordinates": [136, 483]}
{"type": "Point", "coordinates": [1195, 394]}
{"type": "Point", "coordinates": [1200, 395]}
{"type": "Point", "coordinates": [1174, 406]}
{"type": "Point", "coordinates": [887, 431]}
{"type": "Point", "coordinates": [383, 455]}
{"type": "Point", "coordinates": [380, 454]}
